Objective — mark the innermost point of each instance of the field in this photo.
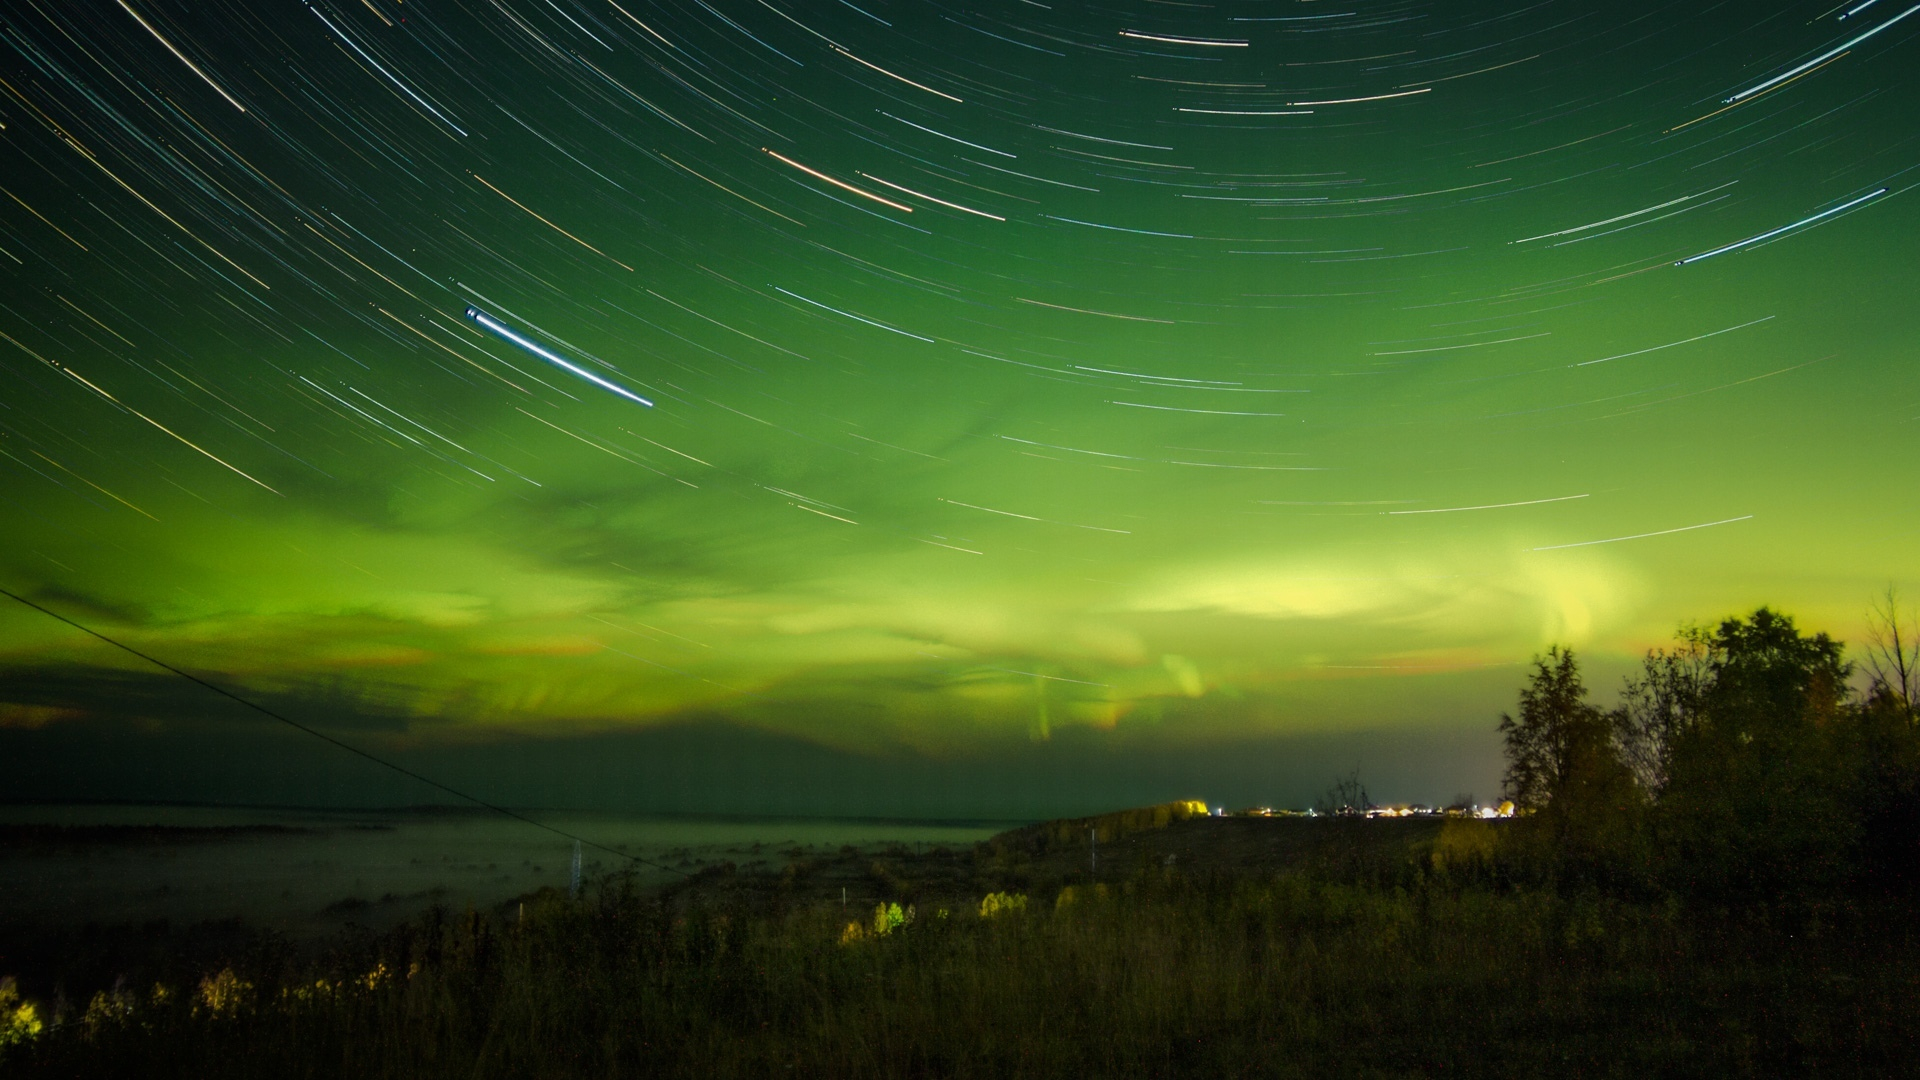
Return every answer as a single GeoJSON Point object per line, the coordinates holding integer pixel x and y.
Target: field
{"type": "Point", "coordinates": [1201, 947]}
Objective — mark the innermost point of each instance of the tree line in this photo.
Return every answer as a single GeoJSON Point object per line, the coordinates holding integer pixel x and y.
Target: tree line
{"type": "Point", "coordinates": [1746, 761]}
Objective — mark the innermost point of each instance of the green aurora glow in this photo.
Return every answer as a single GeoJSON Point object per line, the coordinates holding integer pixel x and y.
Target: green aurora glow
{"type": "Point", "coordinates": [1250, 419]}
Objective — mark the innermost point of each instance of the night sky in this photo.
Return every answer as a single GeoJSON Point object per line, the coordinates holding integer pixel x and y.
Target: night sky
{"type": "Point", "coordinates": [957, 386]}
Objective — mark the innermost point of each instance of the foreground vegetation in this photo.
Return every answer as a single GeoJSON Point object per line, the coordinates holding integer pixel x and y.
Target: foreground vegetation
{"type": "Point", "coordinates": [1164, 975]}
{"type": "Point", "coordinates": [1714, 879]}
{"type": "Point", "coordinates": [1743, 766]}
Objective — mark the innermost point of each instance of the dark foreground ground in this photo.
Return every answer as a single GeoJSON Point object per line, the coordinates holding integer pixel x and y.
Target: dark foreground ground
{"type": "Point", "coordinates": [1205, 947]}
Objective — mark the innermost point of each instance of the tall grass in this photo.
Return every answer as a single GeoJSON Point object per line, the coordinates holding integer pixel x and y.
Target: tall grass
{"type": "Point", "coordinates": [1162, 975]}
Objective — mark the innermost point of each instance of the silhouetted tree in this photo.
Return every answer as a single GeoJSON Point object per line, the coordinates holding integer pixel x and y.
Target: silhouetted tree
{"type": "Point", "coordinates": [1758, 793]}
{"type": "Point", "coordinates": [1893, 655]}
{"type": "Point", "coordinates": [1345, 796]}
{"type": "Point", "coordinates": [1564, 767]}
{"type": "Point", "coordinates": [1664, 700]}
{"type": "Point", "coordinates": [1887, 744]}
{"type": "Point", "coordinates": [1554, 726]}
{"type": "Point", "coordinates": [1739, 765]}
{"type": "Point", "coordinates": [1885, 747]}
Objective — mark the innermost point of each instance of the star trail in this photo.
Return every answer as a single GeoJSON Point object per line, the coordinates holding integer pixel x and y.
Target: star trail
{"type": "Point", "coordinates": [937, 375]}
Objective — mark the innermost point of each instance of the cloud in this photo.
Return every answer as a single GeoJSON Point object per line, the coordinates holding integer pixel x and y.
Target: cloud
{"type": "Point", "coordinates": [438, 630]}
{"type": "Point", "coordinates": [1486, 595]}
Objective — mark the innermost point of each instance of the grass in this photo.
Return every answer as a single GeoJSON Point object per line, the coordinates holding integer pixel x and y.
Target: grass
{"type": "Point", "coordinates": [1376, 967]}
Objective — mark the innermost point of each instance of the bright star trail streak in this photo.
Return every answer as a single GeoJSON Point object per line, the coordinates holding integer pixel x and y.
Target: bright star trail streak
{"type": "Point", "coordinates": [550, 357]}
{"type": "Point", "coordinates": [1818, 60]}
{"type": "Point", "coordinates": [1784, 229]}
{"type": "Point", "coordinates": [204, 77]}
{"type": "Point", "coordinates": [1168, 39]}
{"type": "Point", "coordinates": [1619, 217]}
{"type": "Point", "coordinates": [1671, 344]}
{"type": "Point", "coordinates": [1489, 506]}
{"type": "Point", "coordinates": [842, 184]}
{"type": "Point", "coordinates": [1127, 387]}
{"type": "Point", "coordinates": [1645, 535]}
{"type": "Point", "coordinates": [388, 75]}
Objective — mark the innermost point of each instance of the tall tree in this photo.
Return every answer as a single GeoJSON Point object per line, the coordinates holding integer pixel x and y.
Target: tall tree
{"type": "Point", "coordinates": [1659, 703]}
{"type": "Point", "coordinates": [1760, 789]}
{"type": "Point", "coordinates": [1564, 766]}
{"type": "Point", "coordinates": [1541, 742]}
{"type": "Point", "coordinates": [1888, 743]}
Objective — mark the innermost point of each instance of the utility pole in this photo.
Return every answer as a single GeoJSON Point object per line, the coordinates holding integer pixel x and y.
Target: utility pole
{"type": "Point", "coordinates": [1093, 852]}
{"type": "Point", "coordinates": [573, 879]}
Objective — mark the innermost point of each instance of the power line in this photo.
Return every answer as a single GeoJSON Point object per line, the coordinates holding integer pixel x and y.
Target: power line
{"type": "Point", "coordinates": [348, 747]}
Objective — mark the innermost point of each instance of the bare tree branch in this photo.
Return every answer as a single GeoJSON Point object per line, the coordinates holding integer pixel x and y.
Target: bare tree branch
{"type": "Point", "coordinates": [1660, 703]}
{"type": "Point", "coordinates": [1893, 653]}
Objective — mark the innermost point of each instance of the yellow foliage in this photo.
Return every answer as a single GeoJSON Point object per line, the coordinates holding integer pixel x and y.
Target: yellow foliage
{"type": "Point", "coordinates": [999, 903]}
{"type": "Point", "coordinates": [224, 993]}
{"type": "Point", "coordinates": [318, 990]}
{"type": "Point", "coordinates": [107, 1010]}
{"type": "Point", "coordinates": [888, 917]}
{"type": "Point", "coordinates": [19, 1018]}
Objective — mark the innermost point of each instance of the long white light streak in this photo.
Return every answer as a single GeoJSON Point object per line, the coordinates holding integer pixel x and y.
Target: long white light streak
{"type": "Point", "coordinates": [1671, 344]}
{"type": "Point", "coordinates": [816, 173]}
{"type": "Point", "coordinates": [931, 199]}
{"type": "Point", "coordinates": [944, 135]}
{"type": "Point", "coordinates": [391, 77]}
{"type": "Point", "coordinates": [1216, 43]}
{"type": "Point", "coordinates": [855, 318]}
{"type": "Point", "coordinates": [1622, 217]}
{"type": "Point", "coordinates": [1771, 233]}
{"type": "Point", "coordinates": [1487, 506]}
{"type": "Point", "coordinates": [1644, 535]}
{"type": "Point", "coordinates": [1818, 60]}
{"type": "Point", "coordinates": [204, 77]}
{"type": "Point", "coordinates": [891, 75]}
{"type": "Point", "coordinates": [494, 325]}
